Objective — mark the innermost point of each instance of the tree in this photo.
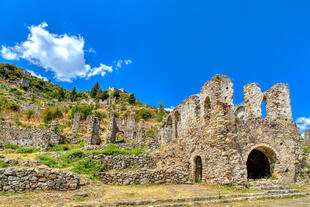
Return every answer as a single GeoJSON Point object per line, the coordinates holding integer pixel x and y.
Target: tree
{"type": "Point", "coordinates": [61, 94]}
{"type": "Point", "coordinates": [116, 94]}
{"type": "Point", "coordinates": [73, 94]}
{"type": "Point", "coordinates": [161, 108]}
{"type": "Point", "coordinates": [132, 99]}
{"type": "Point", "coordinates": [104, 95]}
{"type": "Point", "coordinates": [94, 90]}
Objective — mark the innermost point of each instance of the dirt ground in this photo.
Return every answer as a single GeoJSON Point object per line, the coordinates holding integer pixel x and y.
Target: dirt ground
{"type": "Point", "coordinates": [96, 194]}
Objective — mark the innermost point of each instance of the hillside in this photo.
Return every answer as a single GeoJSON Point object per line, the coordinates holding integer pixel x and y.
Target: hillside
{"type": "Point", "coordinates": [30, 102]}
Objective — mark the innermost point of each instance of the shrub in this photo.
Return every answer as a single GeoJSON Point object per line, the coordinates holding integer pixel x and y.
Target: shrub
{"type": "Point", "coordinates": [51, 113]}
{"type": "Point", "coordinates": [73, 156]}
{"type": "Point", "coordinates": [11, 146]}
{"type": "Point", "coordinates": [29, 113]}
{"type": "Point", "coordinates": [143, 114]}
{"type": "Point", "coordinates": [59, 147]}
{"type": "Point", "coordinates": [132, 99]}
{"type": "Point", "coordinates": [11, 106]}
{"type": "Point", "coordinates": [88, 166]}
{"type": "Point", "coordinates": [28, 149]}
{"type": "Point", "coordinates": [3, 164]}
{"type": "Point", "coordinates": [100, 115]}
{"type": "Point", "coordinates": [83, 109]}
{"type": "Point", "coordinates": [47, 160]}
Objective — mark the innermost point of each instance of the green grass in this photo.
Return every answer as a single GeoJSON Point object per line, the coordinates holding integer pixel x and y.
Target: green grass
{"type": "Point", "coordinates": [114, 150]}
{"type": "Point", "coordinates": [11, 146]}
{"type": "Point", "coordinates": [28, 149]}
{"type": "Point", "coordinates": [3, 164]}
{"type": "Point", "coordinates": [59, 147]}
{"type": "Point", "coordinates": [88, 166]}
{"type": "Point", "coordinates": [306, 149]}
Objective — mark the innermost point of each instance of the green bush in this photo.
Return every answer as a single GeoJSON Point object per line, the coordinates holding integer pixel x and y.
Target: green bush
{"type": "Point", "coordinates": [51, 113]}
{"type": "Point", "coordinates": [47, 160]}
{"type": "Point", "coordinates": [11, 146]}
{"type": "Point", "coordinates": [83, 109]}
{"type": "Point", "coordinates": [29, 113]}
{"type": "Point", "coordinates": [100, 115]}
{"type": "Point", "coordinates": [3, 164]}
{"type": "Point", "coordinates": [11, 106]}
{"type": "Point", "coordinates": [88, 166]}
{"type": "Point", "coordinates": [59, 147]}
{"type": "Point", "coordinates": [143, 114]}
{"type": "Point", "coordinates": [73, 156]}
{"type": "Point", "coordinates": [306, 149]}
{"type": "Point", "coordinates": [28, 149]}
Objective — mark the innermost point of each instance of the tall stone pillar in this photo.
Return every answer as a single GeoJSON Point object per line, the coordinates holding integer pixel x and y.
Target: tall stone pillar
{"type": "Point", "coordinates": [93, 126]}
{"type": "Point", "coordinates": [76, 123]}
{"type": "Point", "coordinates": [307, 138]}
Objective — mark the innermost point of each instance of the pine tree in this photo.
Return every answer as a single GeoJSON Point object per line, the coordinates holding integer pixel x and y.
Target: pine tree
{"type": "Point", "coordinates": [73, 94]}
{"type": "Point", "coordinates": [94, 90]}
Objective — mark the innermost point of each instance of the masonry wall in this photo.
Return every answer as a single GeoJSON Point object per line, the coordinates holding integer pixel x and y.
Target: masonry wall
{"type": "Point", "coordinates": [224, 135]}
{"type": "Point", "coordinates": [36, 179]}
{"type": "Point", "coordinates": [43, 138]}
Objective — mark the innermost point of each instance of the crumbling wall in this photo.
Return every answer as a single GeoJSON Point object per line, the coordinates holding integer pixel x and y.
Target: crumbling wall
{"type": "Point", "coordinates": [307, 138]}
{"type": "Point", "coordinates": [224, 135]}
{"type": "Point", "coordinates": [93, 127]}
{"type": "Point", "coordinates": [126, 130]}
{"type": "Point", "coordinates": [76, 123]}
{"type": "Point", "coordinates": [43, 138]}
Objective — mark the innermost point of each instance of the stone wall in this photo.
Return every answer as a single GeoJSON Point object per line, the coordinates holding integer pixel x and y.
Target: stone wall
{"type": "Point", "coordinates": [30, 179]}
{"type": "Point", "coordinates": [126, 129]}
{"type": "Point", "coordinates": [124, 162]}
{"type": "Point", "coordinates": [43, 138]}
{"type": "Point", "coordinates": [143, 176]}
{"type": "Point", "coordinates": [76, 123]}
{"type": "Point", "coordinates": [93, 127]}
{"type": "Point", "coordinates": [307, 138]}
{"type": "Point", "coordinates": [212, 140]}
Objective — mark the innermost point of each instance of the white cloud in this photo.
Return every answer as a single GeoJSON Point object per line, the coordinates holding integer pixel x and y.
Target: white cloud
{"type": "Point", "coordinates": [170, 108]}
{"type": "Point", "coordinates": [303, 123]}
{"type": "Point", "coordinates": [37, 75]}
{"type": "Point", "coordinates": [102, 69]}
{"type": "Point", "coordinates": [120, 63]}
{"type": "Point", "coordinates": [61, 54]}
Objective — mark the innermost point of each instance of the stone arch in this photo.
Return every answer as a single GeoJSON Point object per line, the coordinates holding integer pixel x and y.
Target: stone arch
{"type": "Point", "coordinates": [197, 169]}
{"type": "Point", "coordinates": [177, 119]}
{"type": "Point", "coordinates": [207, 107]}
{"type": "Point", "coordinates": [169, 128]}
{"type": "Point", "coordinates": [260, 161]}
{"type": "Point", "coordinates": [120, 136]}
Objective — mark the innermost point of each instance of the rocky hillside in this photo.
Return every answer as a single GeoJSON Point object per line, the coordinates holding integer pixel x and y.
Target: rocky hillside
{"type": "Point", "coordinates": [31, 102]}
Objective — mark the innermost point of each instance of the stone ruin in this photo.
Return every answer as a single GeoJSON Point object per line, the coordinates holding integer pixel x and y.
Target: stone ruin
{"type": "Point", "coordinates": [307, 138]}
{"type": "Point", "coordinates": [126, 130]}
{"type": "Point", "coordinates": [217, 142]}
{"type": "Point", "coordinates": [76, 123]}
{"type": "Point", "coordinates": [44, 138]}
{"type": "Point", "coordinates": [93, 127]}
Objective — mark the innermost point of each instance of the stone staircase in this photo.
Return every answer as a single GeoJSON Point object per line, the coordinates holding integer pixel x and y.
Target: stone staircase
{"type": "Point", "coordinates": [268, 190]}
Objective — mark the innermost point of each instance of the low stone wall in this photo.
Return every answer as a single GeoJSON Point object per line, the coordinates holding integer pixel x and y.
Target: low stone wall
{"type": "Point", "coordinates": [29, 179]}
{"type": "Point", "coordinates": [143, 177]}
{"type": "Point", "coordinates": [43, 138]}
{"type": "Point", "coordinates": [124, 161]}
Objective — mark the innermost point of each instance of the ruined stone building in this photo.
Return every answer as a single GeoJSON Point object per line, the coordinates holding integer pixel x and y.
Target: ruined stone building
{"type": "Point", "coordinates": [126, 130]}
{"type": "Point", "coordinates": [307, 138]}
{"type": "Point", "coordinates": [218, 142]}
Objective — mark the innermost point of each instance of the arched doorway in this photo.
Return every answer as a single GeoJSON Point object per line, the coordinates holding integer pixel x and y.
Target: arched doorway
{"type": "Point", "coordinates": [260, 163]}
{"type": "Point", "coordinates": [197, 169]}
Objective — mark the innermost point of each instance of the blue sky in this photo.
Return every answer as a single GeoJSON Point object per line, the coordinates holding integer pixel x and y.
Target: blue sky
{"type": "Point", "coordinates": [162, 50]}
